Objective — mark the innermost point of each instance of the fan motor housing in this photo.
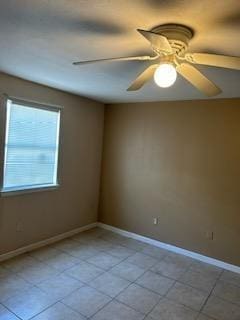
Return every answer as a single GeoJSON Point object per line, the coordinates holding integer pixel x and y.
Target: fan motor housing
{"type": "Point", "coordinates": [177, 35]}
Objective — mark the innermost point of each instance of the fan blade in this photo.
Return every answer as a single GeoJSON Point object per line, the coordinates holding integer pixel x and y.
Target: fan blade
{"type": "Point", "coordinates": [157, 41]}
{"type": "Point", "coordinates": [214, 60]}
{"type": "Point", "coordinates": [145, 76]}
{"type": "Point", "coordinates": [140, 58]}
{"type": "Point", "coordinates": [198, 80]}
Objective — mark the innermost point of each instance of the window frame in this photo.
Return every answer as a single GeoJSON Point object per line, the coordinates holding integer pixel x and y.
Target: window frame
{"type": "Point", "coordinates": [4, 98]}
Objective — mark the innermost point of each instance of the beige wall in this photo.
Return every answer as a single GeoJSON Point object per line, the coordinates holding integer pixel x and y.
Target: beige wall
{"type": "Point", "coordinates": [75, 203]}
{"type": "Point", "coordinates": [180, 162]}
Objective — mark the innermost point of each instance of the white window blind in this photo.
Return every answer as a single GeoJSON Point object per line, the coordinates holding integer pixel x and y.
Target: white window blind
{"type": "Point", "coordinates": [31, 147]}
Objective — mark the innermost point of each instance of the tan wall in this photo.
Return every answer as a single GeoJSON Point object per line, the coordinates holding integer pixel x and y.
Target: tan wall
{"type": "Point", "coordinates": [75, 203]}
{"type": "Point", "coordinates": [179, 161]}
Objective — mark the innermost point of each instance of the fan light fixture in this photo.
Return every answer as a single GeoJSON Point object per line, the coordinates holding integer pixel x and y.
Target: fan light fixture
{"type": "Point", "coordinates": [170, 44]}
{"type": "Point", "coordinates": [165, 75]}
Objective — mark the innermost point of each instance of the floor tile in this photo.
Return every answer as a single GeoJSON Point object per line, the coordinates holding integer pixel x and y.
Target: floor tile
{"type": "Point", "coordinates": [12, 285]}
{"type": "Point", "coordinates": [94, 232]}
{"type": "Point", "coordinates": [188, 296]}
{"type": "Point", "coordinates": [4, 272]}
{"type": "Point", "coordinates": [82, 237]}
{"type": "Point", "coordinates": [180, 259]}
{"type": "Point", "coordinates": [62, 261]}
{"type": "Point", "coordinates": [59, 312]}
{"type": "Point", "coordinates": [100, 244]}
{"type": "Point", "coordinates": [231, 277]}
{"type": "Point", "coordinates": [60, 286]}
{"type": "Point", "coordinates": [132, 243]}
{"type": "Point", "coordinates": [169, 268]}
{"type": "Point", "coordinates": [142, 260]}
{"type": "Point", "coordinates": [19, 263]}
{"type": "Point", "coordinates": [104, 260]}
{"type": "Point", "coordinates": [227, 291]}
{"type": "Point", "coordinates": [117, 311]}
{"type": "Point", "coordinates": [109, 284]}
{"type": "Point", "coordinates": [44, 253]}
{"type": "Point", "coordinates": [114, 238]}
{"type": "Point", "coordinates": [138, 298]}
{"type": "Point", "coordinates": [65, 245]}
{"type": "Point", "coordinates": [86, 301]}
{"type": "Point", "coordinates": [38, 274]}
{"type": "Point", "coordinates": [203, 317]}
{"type": "Point", "coordinates": [84, 272]}
{"type": "Point", "coordinates": [199, 280]}
{"type": "Point", "coordinates": [121, 252]}
{"type": "Point", "coordinates": [127, 271]}
{"type": "Point", "coordinates": [89, 235]}
{"type": "Point", "coordinates": [170, 310]}
{"type": "Point", "coordinates": [155, 282]}
{"type": "Point", "coordinates": [29, 303]}
{"type": "Point", "coordinates": [94, 273]}
{"type": "Point", "coordinates": [83, 251]}
{"type": "Point", "coordinates": [155, 252]}
{"type": "Point", "coordinates": [5, 314]}
{"type": "Point", "coordinates": [221, 310]}
{"type": "Point", "coordinates": [206, 269]}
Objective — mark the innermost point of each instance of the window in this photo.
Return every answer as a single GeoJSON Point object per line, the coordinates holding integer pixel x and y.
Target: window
{"type": "Point", "coordinates": [31, 146]}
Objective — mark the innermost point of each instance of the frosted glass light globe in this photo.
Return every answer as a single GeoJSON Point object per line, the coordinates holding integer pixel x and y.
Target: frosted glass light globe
{"type": "Point", "coordinates": [165, 75]}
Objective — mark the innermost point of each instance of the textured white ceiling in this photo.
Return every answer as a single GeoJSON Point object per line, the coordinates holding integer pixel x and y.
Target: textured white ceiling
{"type": "Point", "coordinates": [39, 40]}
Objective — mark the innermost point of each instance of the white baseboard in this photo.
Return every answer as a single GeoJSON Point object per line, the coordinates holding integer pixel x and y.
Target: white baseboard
{"type": "Point", "coordinates": [172, 248]}
{"type": "Point", "coordinates": [128, 234]}
{"type": "Point", "coordinates": [46, 242]}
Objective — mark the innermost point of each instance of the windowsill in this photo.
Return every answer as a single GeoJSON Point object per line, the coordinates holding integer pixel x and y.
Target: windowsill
{"type": "Point", "coordinates": [16, 192]}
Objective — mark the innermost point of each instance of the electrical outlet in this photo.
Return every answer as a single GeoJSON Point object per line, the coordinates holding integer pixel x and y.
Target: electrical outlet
{"type": "Point", "coordinates": [155, 220]}
{"type": "Point", "coordinates": [209, 235]}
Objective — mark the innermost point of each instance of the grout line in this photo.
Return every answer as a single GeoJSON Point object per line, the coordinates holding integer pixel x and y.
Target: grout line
{"type": "Point", "coordinates": [109, 271]}
{"type": "Point", "coordinates": [100, 309]}
{"type": "Point", "coordinates": [157, 243]}
{"type": "Point", "coordinates": [218, 278]}
{"type": "Point", "coordinates": [175, 281]}
{"type": "Point", "coordinates": [104, 271]}
{"type": "Point", "coordinates": [43, 310]}
{"type": "Point", "coordinates": [61, 301]}
{"type": "Point", "coordinates": [1, 304]}
{"type": "Point", "coordinates": [160, 296]}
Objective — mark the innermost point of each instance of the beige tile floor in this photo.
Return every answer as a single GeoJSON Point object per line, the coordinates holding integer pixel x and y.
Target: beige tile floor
{"type": "Point", "coordinates": [100, 275]}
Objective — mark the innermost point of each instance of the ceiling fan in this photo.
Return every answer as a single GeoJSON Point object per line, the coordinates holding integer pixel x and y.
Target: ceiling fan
{"type": "Point", "coordinates": [169, 43]}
